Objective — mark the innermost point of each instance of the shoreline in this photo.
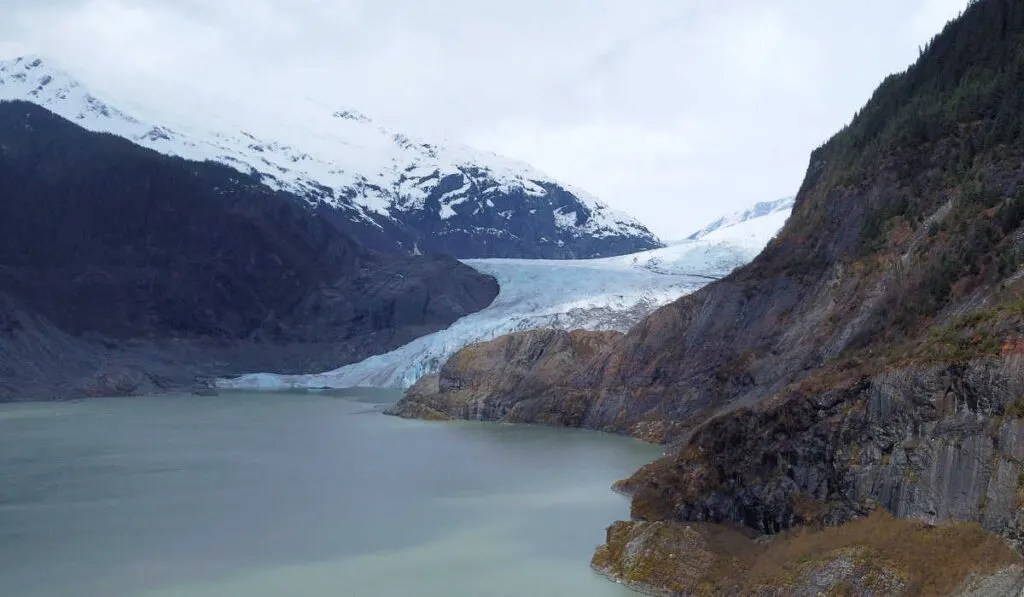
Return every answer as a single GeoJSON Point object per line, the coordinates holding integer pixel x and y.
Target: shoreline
{"type": "Point", "coordinates": [642, 589]}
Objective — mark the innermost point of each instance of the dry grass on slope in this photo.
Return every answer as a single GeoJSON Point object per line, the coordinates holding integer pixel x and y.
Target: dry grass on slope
{"type": "Point", "coordinates": [878, 555]}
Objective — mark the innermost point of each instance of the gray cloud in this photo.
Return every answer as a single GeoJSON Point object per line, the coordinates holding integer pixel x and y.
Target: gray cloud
{"type": "Point", "coordinates": [674, 110]}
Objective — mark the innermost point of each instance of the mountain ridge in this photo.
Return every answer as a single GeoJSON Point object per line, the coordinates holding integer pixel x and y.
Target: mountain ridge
{"type": "Point", "coordinates": [758, 210]}
{"type": "Point", "coordinates": [387, 189]}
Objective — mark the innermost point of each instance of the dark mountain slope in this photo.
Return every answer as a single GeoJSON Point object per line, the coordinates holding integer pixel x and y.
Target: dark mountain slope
{"type": "Point", "coordinates": [871, 354]}
{"type": "Point", "coordinates": [387, 190]}
{"type": "Point", "coordinates": [106, 240]}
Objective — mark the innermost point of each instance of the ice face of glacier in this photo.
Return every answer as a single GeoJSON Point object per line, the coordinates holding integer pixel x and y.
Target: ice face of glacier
{"type": "Point", "coordinates": [595, 294]}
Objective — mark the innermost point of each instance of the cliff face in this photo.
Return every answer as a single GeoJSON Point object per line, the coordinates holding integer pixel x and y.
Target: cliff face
{"type": "Point", "coordinates": [869, 355]}
{"type": "Point", "coordinates": [932, 443]}
{"type": "Point", "coordinates": [508, 379]}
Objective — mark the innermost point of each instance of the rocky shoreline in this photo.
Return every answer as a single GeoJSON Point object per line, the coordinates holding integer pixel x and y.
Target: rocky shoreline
{"type": "Point", "coordinates": [679, 560]}
{"type": "Point", "coordinates": [950, 454]}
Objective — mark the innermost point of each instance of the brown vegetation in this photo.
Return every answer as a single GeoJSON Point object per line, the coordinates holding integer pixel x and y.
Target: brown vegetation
{"type": "Point", "coordinates": [877, 553]}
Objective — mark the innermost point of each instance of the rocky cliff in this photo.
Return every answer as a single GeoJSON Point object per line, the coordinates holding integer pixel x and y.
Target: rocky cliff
{"type": "Point", "coordinates": [869, 356]}
{"type": "Point", "coordinates": [506, 379]}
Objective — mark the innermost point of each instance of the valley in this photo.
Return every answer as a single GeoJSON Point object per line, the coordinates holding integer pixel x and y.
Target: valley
{"type": "Point", "coordinates": [322, 336]}
{"type": "Point", "coordinates": [610, 294]}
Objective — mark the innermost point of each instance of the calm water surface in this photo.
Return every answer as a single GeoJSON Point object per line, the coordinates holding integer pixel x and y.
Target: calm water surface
{"type": "Point", "coordinates": [307, 495]}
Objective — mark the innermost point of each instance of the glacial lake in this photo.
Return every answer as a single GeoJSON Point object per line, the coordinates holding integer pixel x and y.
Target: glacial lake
{"type": "Point", "coordinates": [299, 495]}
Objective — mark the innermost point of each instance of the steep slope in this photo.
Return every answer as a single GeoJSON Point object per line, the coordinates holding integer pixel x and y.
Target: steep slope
{"type": "Point", "coordinates": [870, 356]}
{"type": "Point", "coordinates": [609, 294]}
{"type": "Point", "coordinates": [128, 252]}
{"type": "Point", "coordinates": [385, 189]}
{"type": "Point", "coordinates": [759, 210]}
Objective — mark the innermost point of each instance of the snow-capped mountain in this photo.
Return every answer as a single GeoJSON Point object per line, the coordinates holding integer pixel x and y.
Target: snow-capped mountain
{"type": "Point", "coordinates": [760, 210]}
{"type": "Point", "coordinates": [383, 186]}
{"type": "Point", "coordinates": [595, 294]}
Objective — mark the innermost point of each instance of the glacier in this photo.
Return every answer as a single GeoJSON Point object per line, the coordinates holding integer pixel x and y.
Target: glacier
{"type": "Point", "coordinates": [595, 294]}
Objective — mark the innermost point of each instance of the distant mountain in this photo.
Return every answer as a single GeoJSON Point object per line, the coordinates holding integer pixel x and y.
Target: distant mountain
{"type": "Point", "coordinates": [386, 189]}
{"type": "Point", "coordinates": [759, 210]}
{"type": "Point", "coordinates": [126, 271]}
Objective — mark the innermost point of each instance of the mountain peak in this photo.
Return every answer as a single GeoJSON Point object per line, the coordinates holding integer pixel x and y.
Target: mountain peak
{"type": "Point", "coordinates": [437, 197]}
{"type": "Point", "coordinates": [28, 62]}
{"type": "Point", "coordinates": [30, 65]}
{"type": "Point", "coordinates": [33, 78]}
{"type": "Point", "coordinates": [759, 210]}
{"type": "Point", "coordinates": [349, 114]}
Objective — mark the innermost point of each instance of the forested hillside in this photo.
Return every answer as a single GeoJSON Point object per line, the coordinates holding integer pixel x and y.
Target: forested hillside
{"type": "Point", "coordinates": [117, 244]}
{"type": "Point", "coordinates": [869, 357]}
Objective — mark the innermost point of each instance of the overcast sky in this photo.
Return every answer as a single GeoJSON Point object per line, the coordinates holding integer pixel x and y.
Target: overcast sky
{"type": "Point", "coordinates": [673, 110]}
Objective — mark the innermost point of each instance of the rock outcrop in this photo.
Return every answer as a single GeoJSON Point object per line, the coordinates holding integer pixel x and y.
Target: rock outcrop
{"type": "Point", "coordinates": [933, 443]}
{"type": "Point", "coordinates": [507, 379]}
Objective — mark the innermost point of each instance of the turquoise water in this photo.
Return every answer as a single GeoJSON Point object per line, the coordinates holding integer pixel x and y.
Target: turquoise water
{"type": "Point", "coordinates": [300, 495]}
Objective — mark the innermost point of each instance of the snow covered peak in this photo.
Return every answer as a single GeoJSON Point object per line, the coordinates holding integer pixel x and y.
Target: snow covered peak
{"type": "Point", "coordinates": [351, 115]}
{"type": "Point", "coordinates": [760, 210]}
{"type": "Point", "coordinates": [31, 78]}
{"type": "Point", "coordinates": [438, 197]}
